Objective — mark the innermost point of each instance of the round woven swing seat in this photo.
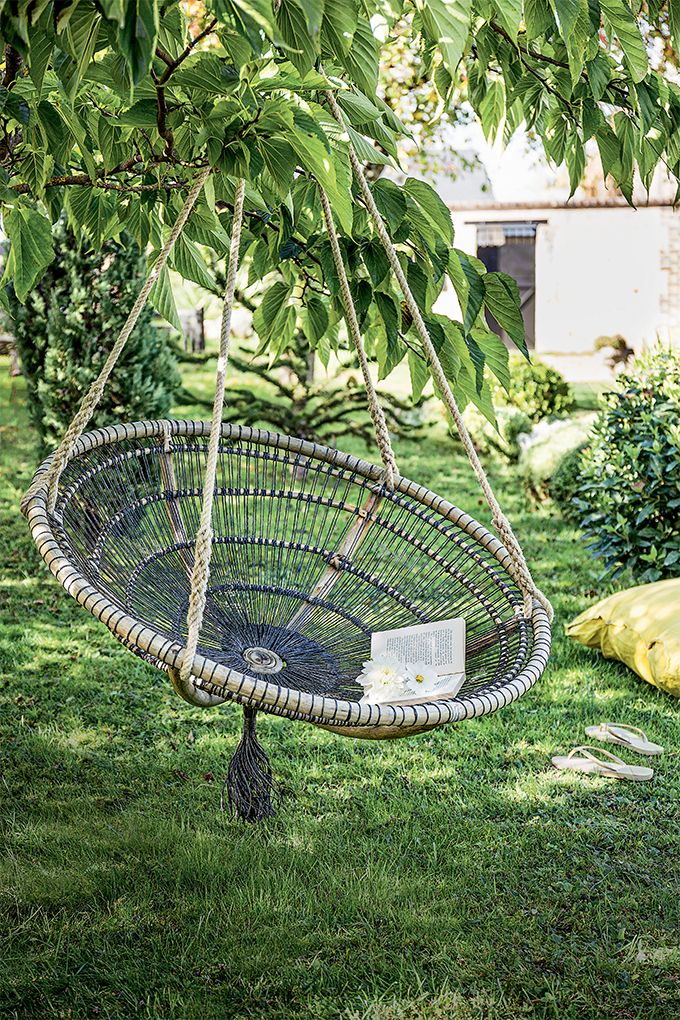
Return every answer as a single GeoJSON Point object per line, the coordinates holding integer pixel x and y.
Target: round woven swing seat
{"type": "Point", "coordinates": [311, 555]}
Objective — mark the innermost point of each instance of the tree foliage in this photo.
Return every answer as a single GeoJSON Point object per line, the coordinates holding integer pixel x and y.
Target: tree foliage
{"type": "Point", "coordinates": [108, 109]}
{"type": "Point", "coordinates": [64, 332]}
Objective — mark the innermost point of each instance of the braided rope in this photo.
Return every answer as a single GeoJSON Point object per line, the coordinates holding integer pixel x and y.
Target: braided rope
{"type": "Point", "coordinates": [382, 433]}
{"type": "Point", "coordinates": [520, 569]}
{"type": "Point", "coordinates": [50, 479]}
{"type": "Point", "coordinates": [203, 548]}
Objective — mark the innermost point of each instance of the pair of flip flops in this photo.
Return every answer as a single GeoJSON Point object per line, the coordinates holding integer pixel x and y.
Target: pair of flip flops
{"type": "Point", "coordinates": [604, 763]}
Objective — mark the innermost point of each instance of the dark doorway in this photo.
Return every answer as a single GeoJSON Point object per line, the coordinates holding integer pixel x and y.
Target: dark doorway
{"type": "Point", "coordinates": [511, 248]}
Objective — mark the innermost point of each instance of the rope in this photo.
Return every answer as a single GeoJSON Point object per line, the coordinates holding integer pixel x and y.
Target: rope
{"type": "Point", "coordinates": [519, 569]}
{"type": "Point", "coordinates": [382, 434]}
{"type": "Point", "coordinates": [50, 479]}
{"type": "Point", "coordinates": [204, 536]}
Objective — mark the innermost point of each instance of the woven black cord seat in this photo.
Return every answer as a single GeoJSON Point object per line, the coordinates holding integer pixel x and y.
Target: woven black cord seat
{"type": "Point", "coordinates": [311, 554]}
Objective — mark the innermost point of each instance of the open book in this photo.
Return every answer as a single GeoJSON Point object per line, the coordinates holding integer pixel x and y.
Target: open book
{"type": "Point", "coordinates": [440, 645]}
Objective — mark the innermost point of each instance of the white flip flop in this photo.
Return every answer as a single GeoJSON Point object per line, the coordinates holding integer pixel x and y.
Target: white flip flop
{"type": "Point", "coordinates": [581, 760]}
{"type": "Point", "coordinates": [627, 736]}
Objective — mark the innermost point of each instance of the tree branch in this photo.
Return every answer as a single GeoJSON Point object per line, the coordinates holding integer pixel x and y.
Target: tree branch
{"type": "Point", "coordinates": [174, 64]}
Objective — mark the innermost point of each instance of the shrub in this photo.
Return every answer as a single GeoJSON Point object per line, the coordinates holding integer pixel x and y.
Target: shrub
{"type": "Point", "coordinates": [565, 483]}
{"type": "Point", "coordinates": [66, 329]}
{"type": "Point", "coordinates": [629, 500]}
{"type": "Point", "coordinates": [536, 389]}
{"type": "Point", "coordinates": [505, 440]}
{"type": "Point", "coordinates": [550, 443]}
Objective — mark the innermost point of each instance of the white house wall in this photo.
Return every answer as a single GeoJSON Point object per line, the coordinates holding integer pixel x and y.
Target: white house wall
{"type": "Point", "coordinates": [599, 271]}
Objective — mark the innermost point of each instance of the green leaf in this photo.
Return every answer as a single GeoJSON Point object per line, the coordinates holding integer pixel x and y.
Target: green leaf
{"type": "Point", "coordinates": [361, 60]}
{"type": "Point", "coordinates": [207, 72]}
{"type": "Point", "coordinates": [81, 32]}
{"type": "Point", "coordinates": [509, 15]}
{"type": "Point", "coordinates": [622, 21]}
{"type": "Point", "coordinates": [280, 160]}
{"type": "Point", "coordinates": [501, 295]}
{"type": "Point", "coordinates": [90, 210]}
{"type": "Point", "coordinates": [576, 30]}
{"type": "Point", "coordinates": [475, 289]}
{"type": "Point", "coordinates": [420, 374]}
{"type": "Point", "coordinates": [138, 36]}
{"type": "Point", "coordinates": [538, 16]}
{"type": "Point", "coordinates": [496, 354]}
{"type": "Point", "coordinates": [271, 314]}
{"type": "Point", "coordinates": [315, 158]}
{"type": "Point", "coordinates": [300, 42]}
{"type": "Point", "coordinates": [674, 21]}
{"type": "Point", "coordinates": [376, 261]}
{"type": "Point", "coordinates": [76, 128]}
{"type": "Point", "coordinates": [432, 206]}
{"type": "Point", "coordinates": [31, 247]}
{"type": "Point", "coordinates": [576, 161]}
{"type": "Point", "coordinates": [189, 263]}
{"type": "Point", "coordinates": [339, 25]}
{"type": "Point", "coordinates": [446, 24]}
{"type": "Point", "coordinates": [366, 151]}
{"type": "Point", "coordinates": [492, 108]}
{"type": "Point", "coordinates": [42, 44]}
{"type": "Point", "coordinates": [143, 113]}
{"type": "Point", "coordinates": [315, 319]}
{"type": "Point", "coordinates": [36, 167]}
{"type": "Point", "coordinates": [163, 299]}
{"type": "Point", "coordinates": [610, 151]}
{"type": "Point", "coordinates": [359, 108]}
{"type": "Point", "coordinates": [599, 74]}
{"type": "Point", "coordinates": [390, 202]}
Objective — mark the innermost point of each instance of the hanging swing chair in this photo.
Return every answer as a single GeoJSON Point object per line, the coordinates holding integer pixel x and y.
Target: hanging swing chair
{"type": "Point", "coordinates": [253, 567]}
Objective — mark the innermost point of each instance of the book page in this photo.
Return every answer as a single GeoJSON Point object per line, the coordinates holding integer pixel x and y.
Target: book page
{"type": "Point", "coordinates": [440, 644]}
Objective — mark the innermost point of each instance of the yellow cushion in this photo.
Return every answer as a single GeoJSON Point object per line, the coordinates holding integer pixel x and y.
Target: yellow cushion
{"type": "Point", "coordinates": [641, 627]}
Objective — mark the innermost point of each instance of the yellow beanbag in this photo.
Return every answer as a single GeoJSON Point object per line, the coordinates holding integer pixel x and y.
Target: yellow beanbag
{"type": "Point", "coordinates": [641, 627]}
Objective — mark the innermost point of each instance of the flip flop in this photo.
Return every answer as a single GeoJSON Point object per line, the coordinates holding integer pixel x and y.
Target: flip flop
{"type": "Point", "coordinates": [627, 736]}
{"type": "Point", "coordinates": [581, 760]}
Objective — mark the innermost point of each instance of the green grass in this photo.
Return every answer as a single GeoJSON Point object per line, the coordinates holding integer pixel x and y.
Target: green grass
{"type": "Point", "coordinates": [449, 876]}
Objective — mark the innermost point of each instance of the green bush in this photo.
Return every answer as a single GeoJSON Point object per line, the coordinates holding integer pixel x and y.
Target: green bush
{"type": "Point", "coordinates": [504, 440]}
{"type": "Point", "coordinates": [551, 443]}
{"type": "Point", "coordinates": [629, 499]}
{"type": "Point", "coordinates": [565, 483]}
{"type": "Point", "coordinates": [67, 327]}
{"type": "Point", "coordinates": [536, 389]}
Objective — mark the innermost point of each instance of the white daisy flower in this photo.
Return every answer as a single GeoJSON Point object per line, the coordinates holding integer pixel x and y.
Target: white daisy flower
{"type": "Point", "coordinates": [422, 678]}
{"type": "Point", "coordinates": [383, 679]}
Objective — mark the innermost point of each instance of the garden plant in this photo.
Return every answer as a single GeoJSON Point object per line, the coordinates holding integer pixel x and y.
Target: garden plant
{"type": "Point", "coordinates": [450, 876]}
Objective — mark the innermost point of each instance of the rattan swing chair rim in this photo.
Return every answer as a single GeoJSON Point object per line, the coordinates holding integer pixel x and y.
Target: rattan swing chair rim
{"type": "Point", "coordinates": [219, 682]}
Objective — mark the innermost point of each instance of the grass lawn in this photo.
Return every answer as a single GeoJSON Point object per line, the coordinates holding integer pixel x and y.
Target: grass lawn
{"type": "Point", "coordinates": [450, 876]}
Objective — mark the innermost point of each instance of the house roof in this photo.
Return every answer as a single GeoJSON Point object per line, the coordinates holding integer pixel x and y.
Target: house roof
{"type": "Point", "coordinates": [584, 203]}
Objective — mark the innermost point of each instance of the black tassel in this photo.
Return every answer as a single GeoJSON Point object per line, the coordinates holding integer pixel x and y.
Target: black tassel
{"type": "Point", "coordinates": [250, 786]}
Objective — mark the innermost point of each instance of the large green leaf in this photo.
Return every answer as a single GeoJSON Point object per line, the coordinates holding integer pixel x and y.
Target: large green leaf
{"type": "Point", "coordinates": [674, 19]}
{"type": "Point", "coordinates": [576, 31]}
{"type": "Point", "coordinates": [138, 36]}
{"type": "Point", "coordinates": [446, 24]}
{"type": "Point", "coordinates": [36, 168]}
{"type": "Point", "coordinates": [315, 158]}
{"type": "Point", "coordinates": [361, 59]}
{"type": "Point", "coordinates": [31, 247]}
{"type": "Point", "coordinates": [492, 108]}
{"type": "Point", "coordinates": [339, 25]}
{"type": "Point", "coordinates": [509, 13]}
{"type": "Point", "coordinates": [280, 160]}
{"type": "Point", "coordinates": [501, 295]}
{"type": "Point", "coordinates": [163, 299]}
{"type": "Point", "coordinates": [190, 264]}
{"type": "Point", "coordinates": [621, 19]}
{"type": "Point", "coordinates": [206, 71]}
{"type": "Point", "coordinates": [297, 34]}
{"type": "Point", "coordinates": [432, 206]}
